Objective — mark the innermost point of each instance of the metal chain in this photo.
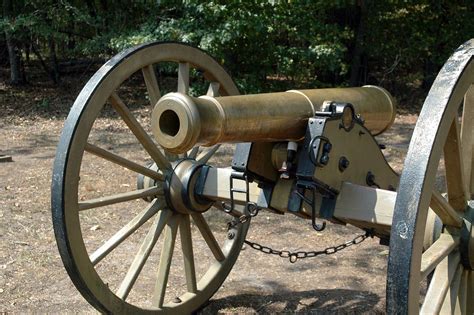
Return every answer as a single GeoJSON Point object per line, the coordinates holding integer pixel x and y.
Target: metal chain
{"type": "Point", "coordinates": [252, 212]}
{"type": "Point", "coordinates": [294, 256]}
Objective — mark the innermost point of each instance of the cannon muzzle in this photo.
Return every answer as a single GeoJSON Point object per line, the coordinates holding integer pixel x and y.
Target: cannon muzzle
{"type": "Point", "coordinates": [180, 122]}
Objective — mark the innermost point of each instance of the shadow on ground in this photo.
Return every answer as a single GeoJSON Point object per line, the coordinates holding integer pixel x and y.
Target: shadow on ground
{"type": "Point", "coordinates": [334, 301]}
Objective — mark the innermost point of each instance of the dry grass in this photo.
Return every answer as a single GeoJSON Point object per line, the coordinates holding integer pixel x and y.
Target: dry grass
{"type": "Point", "coordinates": [33, 279]}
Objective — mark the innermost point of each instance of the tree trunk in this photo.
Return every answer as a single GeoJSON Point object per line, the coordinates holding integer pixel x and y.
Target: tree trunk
{"type": "Point", "coordinates": [3, 51]}
{"type": "Point", "coordinates": [14, 57]}
{"type": "Point", "coordinates": [53, 60]}
{"type": "Point", "coordinates": [357, 54]}
{"type": "Point", "coordinates": [42, 62]}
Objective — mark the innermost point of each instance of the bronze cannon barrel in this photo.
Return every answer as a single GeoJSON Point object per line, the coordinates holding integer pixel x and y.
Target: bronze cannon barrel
{"type": "Point", "coordinates": [180, 122]}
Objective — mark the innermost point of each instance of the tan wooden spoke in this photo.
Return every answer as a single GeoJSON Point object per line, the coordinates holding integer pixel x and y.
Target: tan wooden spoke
{"type": "Point", "coordinates": [440, 284]}
{"type": "Point", "coordinates": [114, 158]}
{"type": "Point", "coordinates": [455, 181]}
{"type": "Point", "coordinates": [208, 236]}
{"type": "Point", "coordinates": [441, 248]}
{"type": "Point", "coordinates": [151, 83]}
{"type": "Point", "coordinates": [188, 255]}
{"type": "Point", "coordinates": [183, 77]}
{"type": "Point", "coordinates": [124, 232]}
{"type": "Point", "coordinates": [143, 252]}
{"type": "Point", "coordinates": [463, 299]}
{"type": "Point", "coordinates": [121, 197]}
{"type": "Point", "coordinates": [213, 89]}
{"type": "Point", "coordinates": [470, 293]}
{"type": "Point", "coordinates": [444, 210]}
{"type": "Point", "coordinates": [139, 132]}
{"type": "Point", "coordinates": [467, 140]}
{"type": "Point", "coordinates": [165, 260]}
{"type": "Point", "coordinates": [193, 152]}
{"type": "Point", "coordinates": [205, 156]}
{"type": "Point", "coordinates": [450, 304]}
{"type": "Point", "coordinates": [171, 156]}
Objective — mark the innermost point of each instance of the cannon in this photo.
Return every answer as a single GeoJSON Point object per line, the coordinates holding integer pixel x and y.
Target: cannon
{"type": "Point", "coordinates": [311, 153]}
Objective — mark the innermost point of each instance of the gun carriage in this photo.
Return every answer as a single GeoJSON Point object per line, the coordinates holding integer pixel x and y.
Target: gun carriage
{"type": "Point", "coordinates": [311, 153]}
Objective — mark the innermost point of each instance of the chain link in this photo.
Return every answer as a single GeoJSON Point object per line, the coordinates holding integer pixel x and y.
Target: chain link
{"type": "Point", "coordinates": [294, 256]}
{"type": "Point", "coordinates": [252, 212]}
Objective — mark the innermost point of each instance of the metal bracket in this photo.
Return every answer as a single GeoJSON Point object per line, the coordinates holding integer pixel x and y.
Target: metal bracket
{"type": "Point", "coordinates": [241, 156]}
{"type": "Point", "coordinates": [312, 203]}
{"type": "Point", "coordinates": [308, 157]}
{"type": "Point", "coordinates": [251, 207]}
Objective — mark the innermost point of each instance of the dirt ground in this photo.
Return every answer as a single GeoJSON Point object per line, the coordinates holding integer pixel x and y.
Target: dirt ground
{"type": "Point", "coordinates": [33, 279]}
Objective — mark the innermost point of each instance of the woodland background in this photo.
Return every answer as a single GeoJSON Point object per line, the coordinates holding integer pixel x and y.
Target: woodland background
{"type": "Point", "coordinates": [265, 45]}
{"type": "Point", "coordinates": [50, 48]}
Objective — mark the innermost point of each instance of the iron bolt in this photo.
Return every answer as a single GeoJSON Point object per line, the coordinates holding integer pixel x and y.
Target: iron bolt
{"type": "Point", "coordinates": [370, 179]}
{"type": "Point", "coordinates": [231, 235]}
{"type": "Point", "coordinates": [324, 159]}
{"type": "Point", "coordinates": [327, 147]}
{"type": "Point", "coordinates": [343, 163]}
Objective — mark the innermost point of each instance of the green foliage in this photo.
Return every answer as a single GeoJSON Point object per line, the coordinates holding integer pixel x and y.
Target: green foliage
{"type": "Point", "coordinates": [416, 36]}
{"type": "Point", "coordinates": [256, 40]}
{"type": "Point", "coordinates": [266, 45]}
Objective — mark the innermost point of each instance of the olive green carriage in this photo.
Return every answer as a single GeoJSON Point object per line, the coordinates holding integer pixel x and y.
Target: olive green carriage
{"type": "Point", "coordinates": [311, 153]}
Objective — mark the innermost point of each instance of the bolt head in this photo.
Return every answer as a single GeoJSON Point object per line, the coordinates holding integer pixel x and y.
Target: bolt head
{"type": "Point", "coordinates": [343, 163]}
{"type": "Point", "coordinates": [324, 159]}
{"type": "Point", "coordinates": [327, 147]}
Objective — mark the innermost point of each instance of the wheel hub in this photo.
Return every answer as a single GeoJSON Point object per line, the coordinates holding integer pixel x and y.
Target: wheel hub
{"type": "Point", "coordinates": [144, 182]}
{"type": "Point", "coordinates": [180, 186]}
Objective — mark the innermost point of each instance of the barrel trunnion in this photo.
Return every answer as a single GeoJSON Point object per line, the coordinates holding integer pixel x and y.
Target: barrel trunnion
{"type": "Point", "coordinates": [311, 153]}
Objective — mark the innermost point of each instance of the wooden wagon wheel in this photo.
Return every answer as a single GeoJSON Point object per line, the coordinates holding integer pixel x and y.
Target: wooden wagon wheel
{"type": "Point", "coordinates": [66, 205]}
{"type": "Point", "coordinates": [451, 256]}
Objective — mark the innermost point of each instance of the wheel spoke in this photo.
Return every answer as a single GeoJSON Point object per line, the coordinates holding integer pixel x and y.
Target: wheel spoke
{"type": "Point", "coordinates": [467, 140]}
{"type": "Point", "coordinates": [441, 248]}
{"type": "Point", "coordinates": [439, 285]}
{"type": "Point", "coordinates": [171, 156]}
{"type": "Point", "coordinates": [124, 232]}
{"type": "Point", "coordinates": [470, 293]}
{"type": "Point", "coordinates": [151, 83]}
{"type": "Point", "coordinates": [444, 210]}
{"type": "Point", "coordinates": [463, 297]}
{"type": "Point", "coordinates": [193, 152]}
{"type": "Point", "coordinates": [165, 260]}
{"type": "Point", "coordinates": [205, 156]}
{"type": "Point", "coordinates": [139, 132]}
{"type": "Point", "coordinates": [143, 253]}
{"type": "Point", "coordinates": [188, 256]}
{"type": "Point", "coordinates": [117, 198]}
{"type": "Point", "coordinates": [208, 236]}
{"type": "Point", "coordinates": [183, 78]}
{"type": "Point", "coordinates": [114, 158]}
{"type": "Point", "coordinates": [450, 302]}
{"type": "Point", "coordinates": [213, 89]}
{"type": "Point", "coordinates": [455, 181]}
